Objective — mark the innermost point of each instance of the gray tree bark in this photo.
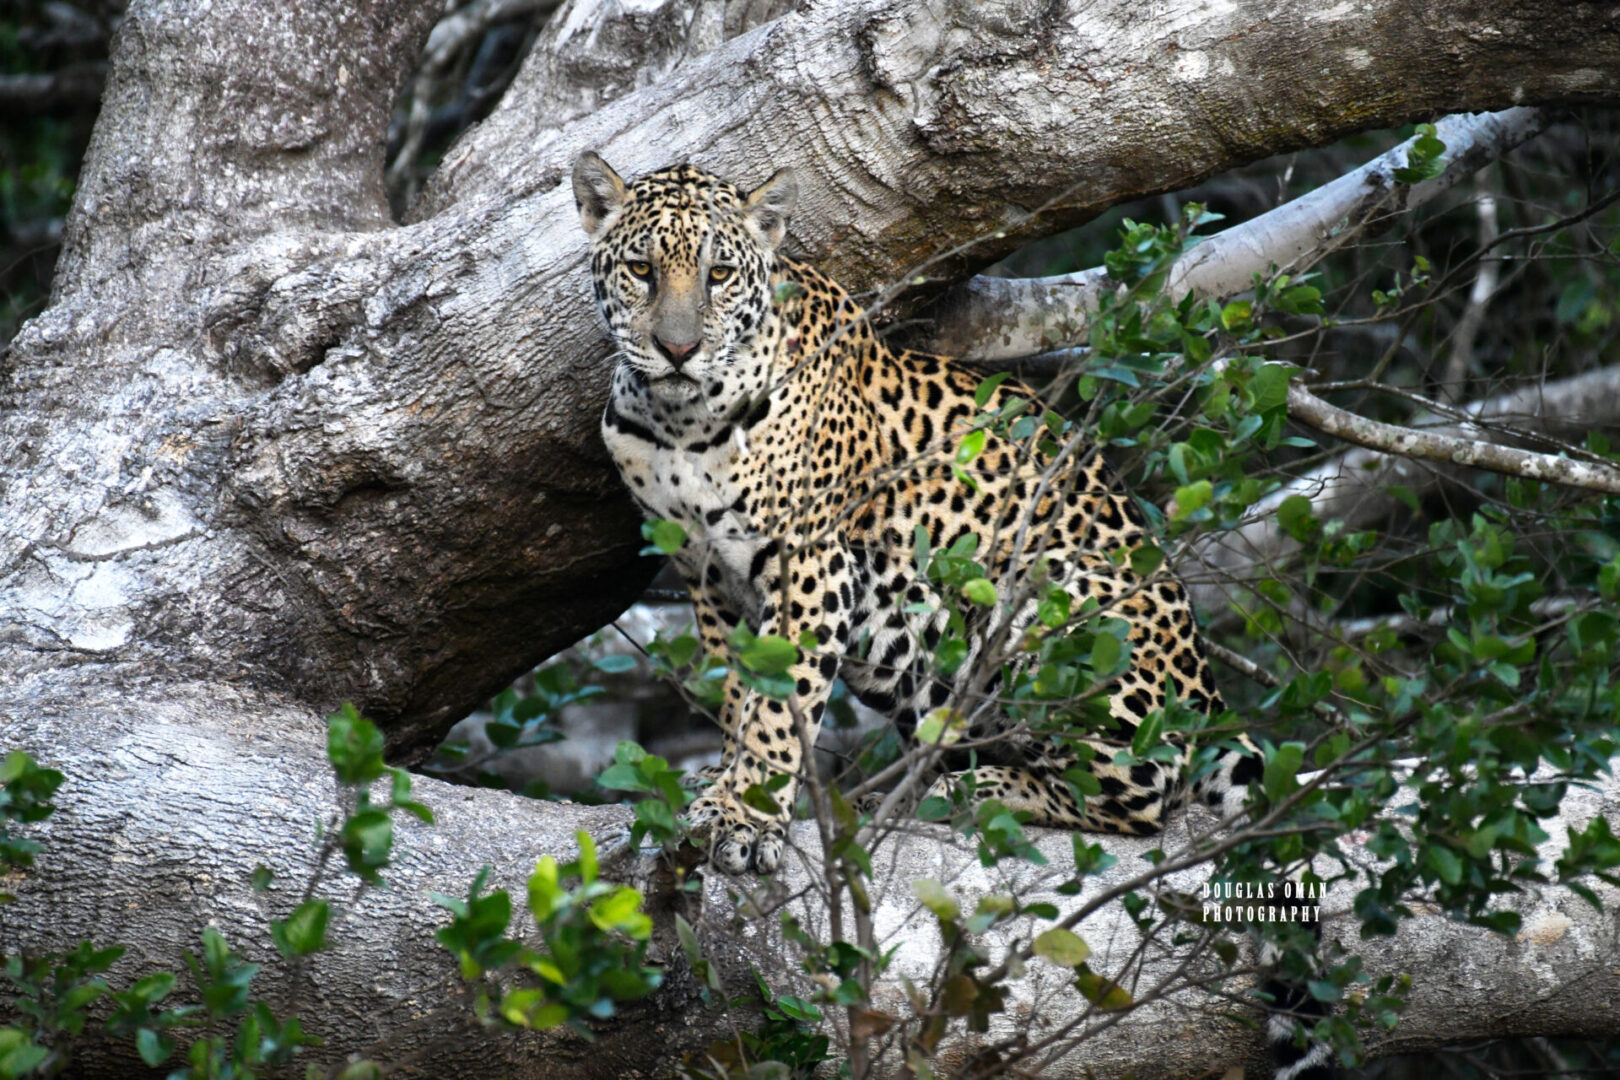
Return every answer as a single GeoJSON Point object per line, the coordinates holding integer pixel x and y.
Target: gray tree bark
{"type": "Point", "coordinates": [267, 451]}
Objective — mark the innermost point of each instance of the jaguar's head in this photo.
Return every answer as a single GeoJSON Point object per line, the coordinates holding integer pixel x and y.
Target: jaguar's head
{"type": "Point", "coordinates": [681, 262]}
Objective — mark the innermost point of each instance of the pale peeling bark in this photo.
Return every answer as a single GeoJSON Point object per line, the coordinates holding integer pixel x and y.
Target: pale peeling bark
{"type": "Point", "coordinates": [267, 451]}
{"type": "Point", "coordinates": [174, 797]}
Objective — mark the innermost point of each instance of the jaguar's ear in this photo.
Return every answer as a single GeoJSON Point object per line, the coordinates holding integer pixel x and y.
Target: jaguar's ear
{"type": "Point", "coordinates": [771, 204]}
{"type": "Point", "coordinates": [598, 191]}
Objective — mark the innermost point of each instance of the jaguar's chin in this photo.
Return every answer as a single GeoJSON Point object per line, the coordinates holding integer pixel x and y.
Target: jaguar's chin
{"type": "Point", "coordinates": [676, 389]}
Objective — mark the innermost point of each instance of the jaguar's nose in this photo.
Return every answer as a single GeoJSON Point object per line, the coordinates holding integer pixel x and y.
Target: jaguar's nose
{"type": "Point", "coordinates": [676, 352]}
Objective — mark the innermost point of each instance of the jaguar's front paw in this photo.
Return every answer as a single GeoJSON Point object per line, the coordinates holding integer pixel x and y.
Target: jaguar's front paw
{"type": "Point", "coordinates": [739, 839]}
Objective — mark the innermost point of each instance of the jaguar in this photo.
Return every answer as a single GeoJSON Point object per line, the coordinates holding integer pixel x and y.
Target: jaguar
{"type": "Point", "coordinates": [755, 404]}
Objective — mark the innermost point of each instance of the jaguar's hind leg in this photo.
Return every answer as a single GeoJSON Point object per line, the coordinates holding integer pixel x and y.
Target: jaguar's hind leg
{"type": "Point", "coordinates": [1134, 798]}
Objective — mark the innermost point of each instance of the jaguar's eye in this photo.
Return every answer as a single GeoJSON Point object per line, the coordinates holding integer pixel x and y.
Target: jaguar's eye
{"type": "Point", "coordinates": [639, 268]}
{"type": "Point", "coordinates": [717, 274]}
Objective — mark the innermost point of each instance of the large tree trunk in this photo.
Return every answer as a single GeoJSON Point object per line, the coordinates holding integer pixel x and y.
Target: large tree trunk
{"type": "Point", "coordinates": [267, 451]}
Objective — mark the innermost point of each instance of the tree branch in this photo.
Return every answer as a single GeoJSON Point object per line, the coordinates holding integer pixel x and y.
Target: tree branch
{"type": "Point", "coordinates": [1355, 486]}
{"type": "Point", "coordinates": [587, 57]}
{"type": "Point", "coordinates": [452, 36]}
{"type": "Point", "coordinates": [246, 777]}
{"type": "Point", "coordinates": [1460, 361]}
{"type": "Point", "coordinates": [990, 318]}
{"type": "Point", "coordinates": [243, 775]}
{"type": "Point", "coordinates": [1429, 445]}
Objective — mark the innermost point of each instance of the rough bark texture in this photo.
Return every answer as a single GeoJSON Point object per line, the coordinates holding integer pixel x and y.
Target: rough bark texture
{"type": "Point", "coordinates": [267, 451]}
{"type": "Point", "coordinates": [588, 55]}
{"type": "Point", "coordinates": [182, 790]}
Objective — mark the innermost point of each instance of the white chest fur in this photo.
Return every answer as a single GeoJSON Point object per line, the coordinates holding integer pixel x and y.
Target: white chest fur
{"type": "Point", "coordinates": [699, 490]}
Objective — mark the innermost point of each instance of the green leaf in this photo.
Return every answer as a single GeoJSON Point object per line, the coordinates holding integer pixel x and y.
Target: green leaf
{"type": "Point", "coordinates": [622, 777]}
{"type": "Point", "coordinates": [399, 797]}
{"type": "Point", "coordinates": [544, 892]}
{"type": "Point", "coordinates": [1323, 991]}
{"type": "Point", "coordinates": [936, 899]}
{"type": "Point", "coordinates": [1423, 157]}
{"type": "Point", "coordinates": [18, 1054]}
{"type": "Point", "coordinates": [943, 726]}
{"type": "Point", "coordinates": [971, 446]}
{"type": "Point", "coordinates": [1053, 611]}
{"type": "Point", "coordinates": [304, 931]}
{"type": "Point", "coordinates": [1106, 651]}
{"type": "Point", "coordinates": [921, 551]}
{"type": "Point", "coordinates": [1608, 580]}
{"type": "Point", "coordinates": [981, 591]}
{"type": "Point", "coordinates": [587, 861]}
{"type": "Point", "coordinates": [988, 387]}
{"type": "Point", "coordinates": [1445, 863]}
{"type": "Point", "coordinates": [1147, 734]}
{"type": "Point", "coordinates": [1268, 387]}
{"type": "Point", "coordinates": [1176, 459]}
{"type": "Point", "coordinates": [658, 818]}
{"type": "Point", "coordinates": [798, 1009]}
{"type": "Point", "coordinates": [152, 988]}
{"type": "Point", "coordinates": [1146, 559]}
{"type": "Point", "coordinates": [354, 746]}
{"type": "Point", "coordinates": [1103, 993]}
{"type": "Point", "coordinates": [517, 1006]}
{"type": "Point", "coordinates": [951, 653]}
{"type": "Point", "coordinates": [1084, 780]}
{"type": "Point", "coordinates": [368, 838]}
{"type": "Point", "coordinates": [25, 793]}
{"type": "Point", "coordinates": [153, 1047]}
{"type": "Point", "coordinates": [1236, 314]}
{"type": "Point", "coordinates": [417, 810]}
{"type": "Point", "coordinates": [689, 940]}
{"type": "Point", "coordinates": [758, 798]}
{"type": "Point", "coordinates": [1281, 776]}
{"type": "Point", "coordinates": [621, 910]}
{"type": "Point", "coordinates": [769, 655]}
{"type": "Point", "coordinates": [1192, 498]}
{"type": "Point", "coordinates": [1301, 300]}
{"type": "Point", "coordinates": [1062, 947]}
{"type": "Point", "coordinates": [1294, 515]}
{"type": "Point", "coordinates": [666, 536]}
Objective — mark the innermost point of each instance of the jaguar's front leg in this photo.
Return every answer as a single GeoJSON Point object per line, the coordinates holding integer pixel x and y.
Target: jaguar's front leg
{"type": "Point", "coordinates": [808, 598]}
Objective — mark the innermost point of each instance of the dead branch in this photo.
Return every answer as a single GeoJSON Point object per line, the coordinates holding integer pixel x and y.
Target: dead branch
{"type": "Point", "coordinates": [1429, 445]}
